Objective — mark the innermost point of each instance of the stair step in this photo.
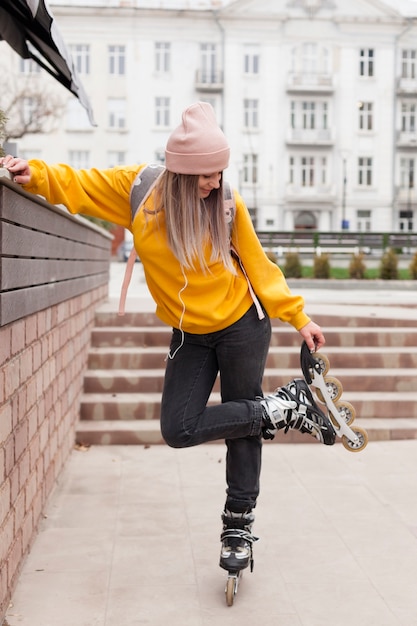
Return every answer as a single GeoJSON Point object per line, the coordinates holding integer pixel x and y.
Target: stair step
{"type": "Point", "coordinates": [281, 336]}
{"type": "Point", "coordinates": [278, 357]}
{"type": "Point", "coordinates": [144, 406]}
{"type": "Point", "coordinates": [375, 359]}
{"type": "Point", "coordinates": [152, 380]}
{"type": "Point", "coordinates": [120, 432]}
{"type": "Point", "coordinates": [148, 318]}
{"type": "Point", "coordinates": [148, 432]}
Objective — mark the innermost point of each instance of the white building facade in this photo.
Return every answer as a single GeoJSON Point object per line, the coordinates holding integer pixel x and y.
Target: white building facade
{"type": "Point", "coordinates": [318, 99]}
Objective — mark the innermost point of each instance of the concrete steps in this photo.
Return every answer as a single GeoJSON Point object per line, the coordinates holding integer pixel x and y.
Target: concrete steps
{"type": "Point", "coordinates": [375, 360]}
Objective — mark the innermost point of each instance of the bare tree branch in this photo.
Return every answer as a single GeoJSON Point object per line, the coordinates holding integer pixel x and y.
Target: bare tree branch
{"type": "Point", "coordinates": [30, 106]}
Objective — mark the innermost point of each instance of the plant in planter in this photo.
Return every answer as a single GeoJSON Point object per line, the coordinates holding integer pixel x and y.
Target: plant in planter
{"type": "Point", "coordinates": [388, 269]}
{"type": "Point", "coordinates": [3, 120]}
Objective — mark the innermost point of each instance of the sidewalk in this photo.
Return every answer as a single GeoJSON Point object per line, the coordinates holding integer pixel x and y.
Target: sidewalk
{"type": "Point", "coordinates": [131, 534]}
{"type": "Point", "coordinates": [131, 537]}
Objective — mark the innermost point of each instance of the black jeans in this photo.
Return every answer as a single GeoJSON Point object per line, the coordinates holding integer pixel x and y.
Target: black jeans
{"type": "Point", "coordinates": [239, 353]}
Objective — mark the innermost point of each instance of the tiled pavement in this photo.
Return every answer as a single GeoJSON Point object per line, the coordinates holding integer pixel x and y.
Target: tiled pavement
{"type": "Point", "coordinates": [131, 534]}
{"type": "Point", "coordinates": [131, 537]}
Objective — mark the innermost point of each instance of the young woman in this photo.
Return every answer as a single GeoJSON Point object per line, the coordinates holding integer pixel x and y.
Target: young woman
{"type": "Point", "coordinates": [203, 277]}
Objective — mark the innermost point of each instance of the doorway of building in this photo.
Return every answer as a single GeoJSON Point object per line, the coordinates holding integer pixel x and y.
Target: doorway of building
{"type": "Point", "coordinates": [305, 220]}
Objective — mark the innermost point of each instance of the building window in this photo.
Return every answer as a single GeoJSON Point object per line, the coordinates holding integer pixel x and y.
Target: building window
{"type": "Point", "coordinates": [324, 115]}
{"type": "Point", "coordinates": [309, 58]}
{"type": "Point", "coordinates": [162, 57]}
{"type": "Point", "coordinates": [307, 171]}
{"type": "Point", "coordinates": [251, 60]}
{"type": "Point", "coordinates": [366, 121]}
{"type": "Point", "coordinates": [323, 171]}
{"type": "Point", "coordinates": [29, 66]}
{"type": "Point", "coordinates": [250, 169]}
{"type": "Point", "coordinates": [29, 109]}
{"type": "Point", "coordinates": [79, 159]}
{"type": "Point", "coordinates": [309, 114]}
{"type": "Point", "coordinates": [366, 62]}
{"type": "Point", "coordinates": [363, 219]}
{"type": "Point", "coordinates": [407, 173]}
{"type": "Point", "coordinates": [208, 60]}
{"type": "Point", "coordinates": [408, 116]}
{"type": "Point", "coordinates": [291, 173]}
{"type": "Point", "coordinates": [365, 171]}
{"type": "Point", "coordinates": [406, 221]}
{"type": "Point", "coordinates": [116, 109]}
{"type": "Point", "coordinates": [77, 118]}
{"type": "Point", "coordinates": [409, 64]}
{"type": "Point", "coordinates": [250, 113]}
{"type": "Point", "coordinates": [117, 60]}
{"type": "Point", "coordinates": [115, 157]}
{"type": "Point", "coordinates": [81, 56]}
{"type": "Point", "coordinates": [162, 112]}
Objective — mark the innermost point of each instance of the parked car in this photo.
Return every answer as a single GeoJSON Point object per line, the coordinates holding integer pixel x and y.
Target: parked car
{"type": "Point", "coordinates": [124, 250]}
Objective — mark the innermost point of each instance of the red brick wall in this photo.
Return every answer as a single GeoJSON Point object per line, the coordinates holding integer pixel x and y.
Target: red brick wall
{"type": "Point", "coordinates": [42, 361]}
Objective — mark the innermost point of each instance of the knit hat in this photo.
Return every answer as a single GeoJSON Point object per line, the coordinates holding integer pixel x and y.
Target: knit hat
{"type": "Point", "coordinates": [197, 145]}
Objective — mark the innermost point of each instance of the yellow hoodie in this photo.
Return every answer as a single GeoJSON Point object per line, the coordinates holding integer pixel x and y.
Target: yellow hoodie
{"type": "Point", "coordinates": [192, 300]}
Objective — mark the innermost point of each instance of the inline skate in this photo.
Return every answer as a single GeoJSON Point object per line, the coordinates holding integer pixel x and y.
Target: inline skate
{"type": "Point", "coordinates": [293, 406]}
{"type": "Point", "coordinates": [237, 549]}
{"type": "Point", "coordinates": [328, 391]}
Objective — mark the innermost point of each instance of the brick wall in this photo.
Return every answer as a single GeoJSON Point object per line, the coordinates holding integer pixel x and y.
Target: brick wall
{"type": "Point", "coordinates": [42, 361]}
{"type": "Point", "coordinates": [54, 271]}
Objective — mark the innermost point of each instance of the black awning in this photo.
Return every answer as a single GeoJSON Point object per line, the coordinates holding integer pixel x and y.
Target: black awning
{"type": "Point", "coordinates": [30, 29]}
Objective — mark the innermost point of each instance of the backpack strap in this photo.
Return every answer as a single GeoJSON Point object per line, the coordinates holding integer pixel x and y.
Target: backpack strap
{"type": "Point", "coordinates": [229, 204]}
{"type": "Point", "coordinates": [143, 186]}
{"type": "Point", "coordinates": [230, 210]}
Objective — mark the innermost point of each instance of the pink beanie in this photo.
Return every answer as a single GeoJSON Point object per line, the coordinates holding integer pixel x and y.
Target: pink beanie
{"type": "Point", "coordinates": [198, 145]}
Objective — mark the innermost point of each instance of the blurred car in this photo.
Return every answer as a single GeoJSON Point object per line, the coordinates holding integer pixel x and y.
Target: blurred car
{"type": "Point", "coordinates": [124, 250]}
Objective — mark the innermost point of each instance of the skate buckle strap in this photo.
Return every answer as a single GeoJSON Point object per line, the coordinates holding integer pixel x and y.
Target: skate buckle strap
{"type": "Point", "coordinates": [237, 533]}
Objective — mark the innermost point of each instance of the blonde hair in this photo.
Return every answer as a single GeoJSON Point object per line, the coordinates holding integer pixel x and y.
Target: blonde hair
{"type": "Point", "coordinates": [192, 223]}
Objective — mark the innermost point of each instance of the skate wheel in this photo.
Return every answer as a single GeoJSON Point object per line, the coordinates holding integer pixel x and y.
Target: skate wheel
{"type": "Point", "coordinates": [231, 588]}
{"type": "Point", "coordinates": [323, 362]}
{"type": "Point", "coordinates": [334, 387]}
{"type": "Point", "coordinates": [356, 446]}
{"type": "Point", "coordinates": [346, 411]}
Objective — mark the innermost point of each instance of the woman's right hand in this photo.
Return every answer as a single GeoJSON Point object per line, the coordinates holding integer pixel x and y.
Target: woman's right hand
{"type": "Point", "coordinates": [18, 168]}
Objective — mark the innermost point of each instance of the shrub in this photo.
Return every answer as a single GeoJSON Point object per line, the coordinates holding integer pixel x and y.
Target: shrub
{"type": "Point", "coordinates": [388, 269]}
{"type": "Point", "coordinates": [3, 121]}
{"type": "Point", "coordinates": [413, 267]}
{"type": "Point", "coordinates": [293, 267]}
{"type": "Point", "coordinates": [357, 266]}
{"type": "Point", "coordinates": [321, 266]}
{"type": "Point", "coordinates": [271, 255]}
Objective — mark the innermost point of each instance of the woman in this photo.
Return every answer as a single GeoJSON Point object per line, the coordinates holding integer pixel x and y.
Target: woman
{"type": "Point", "coordinates": [207, 294]}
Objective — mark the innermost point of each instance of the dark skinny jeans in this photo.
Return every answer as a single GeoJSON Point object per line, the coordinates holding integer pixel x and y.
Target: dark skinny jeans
{"type": "Point", "coordinates": [239, 353]}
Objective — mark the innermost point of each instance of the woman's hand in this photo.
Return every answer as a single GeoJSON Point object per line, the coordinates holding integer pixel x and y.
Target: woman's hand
{"type": "Point", "coordinates": [18, 168]}
{"type": "Point", "coordinates": [313, 336]}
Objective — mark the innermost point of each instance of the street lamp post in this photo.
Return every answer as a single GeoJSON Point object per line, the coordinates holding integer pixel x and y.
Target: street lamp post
{"type": "Point", "coordinates": [345, 222]}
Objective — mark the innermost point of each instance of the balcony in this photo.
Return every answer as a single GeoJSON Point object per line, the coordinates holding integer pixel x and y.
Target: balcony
{"type": "Point", "coordinates": [298, 82]}
{"type": "Point", "coordinates": [310, 136]}
{"type": "Point", "coordinates": [407, 139]}
{"type": "Point", "coordinates": [207, 81]}
{"type": "Point", "coordinates": [307, 196]}
{"type": "Point", "coordinates": [407, 197]}
{"type": "Point", "coordinates": [407, 86]}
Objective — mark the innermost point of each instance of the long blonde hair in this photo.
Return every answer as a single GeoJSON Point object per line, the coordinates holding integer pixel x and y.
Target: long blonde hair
{"type": "Point", "coordinates": [192, 223]}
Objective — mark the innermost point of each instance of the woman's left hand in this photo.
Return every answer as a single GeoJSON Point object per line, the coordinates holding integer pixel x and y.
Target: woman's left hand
{"type": "Point", "coordinates": [18, 168]}
{"type": "Point", "coordinates": [313, 336]}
